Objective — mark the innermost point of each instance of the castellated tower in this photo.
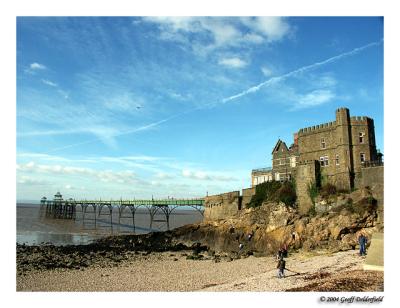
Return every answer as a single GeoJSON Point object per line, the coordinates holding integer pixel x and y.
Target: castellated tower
{"type": "Point", "coordinates": [341, 147]}
{"type": "Point", "coordinates": [343, 163]}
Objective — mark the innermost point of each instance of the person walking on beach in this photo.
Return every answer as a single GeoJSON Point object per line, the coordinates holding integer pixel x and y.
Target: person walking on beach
{"type": "Point", "coordinates": [362, 240]}
{"type": "Point", "coordinates": [285, 250]}
{"type": "Point", "coordinates": [281, 268]}
{"type": "Point", "coordinates": [279, 254]}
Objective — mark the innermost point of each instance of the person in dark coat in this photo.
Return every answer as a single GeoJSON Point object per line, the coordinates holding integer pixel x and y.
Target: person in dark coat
{"type": "Point", "coordinates": [279, 254]}
{"type": "Point", "coordinates": [285, 250]}
{"type": "Point", "coordinates": [281, 268]}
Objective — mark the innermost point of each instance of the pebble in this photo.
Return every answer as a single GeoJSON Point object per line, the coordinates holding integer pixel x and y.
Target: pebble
{"type": "Point", "coordinates": [160, 272]}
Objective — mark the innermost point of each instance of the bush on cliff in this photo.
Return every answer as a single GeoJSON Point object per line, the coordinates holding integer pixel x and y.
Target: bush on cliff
{"type": "Point", "coordinates": [274, 191]}
{"type": "Point", "coordinates": [286, 193]}
{"type": "Point", "coordinates": [328, 190]}
{"type": "Point", "coordinates": [263, 191]}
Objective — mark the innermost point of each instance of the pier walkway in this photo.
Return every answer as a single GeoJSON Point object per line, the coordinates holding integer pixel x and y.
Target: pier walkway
{"type": "Point", "coordinates": [67, 209]}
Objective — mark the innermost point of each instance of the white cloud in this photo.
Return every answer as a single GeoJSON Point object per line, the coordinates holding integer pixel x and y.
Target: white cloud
{"type": "Point", "coordinates": [125, 102]}
{"type": "Point", "coordinates": [232, 62]}
{"type": "Point", "coordinates": [326, 81]}
{"type": "Point", "coordinates": [314, 98]}
{"type": "Point", "coordinates": [174, 22]}
{"type": "Point", "coordinates": [108, 176]}
{"type": "Point", "coordinates": [163, 176]}
{"type": "Point", "coordinates": [37, 66]}
{"type": "Point", "coordinates": [49, 83]}
{"type": "Point", "coordinates": [197, 175]}
{"type": "Point", "coordinates": [219, 32]}
{"type": "Point", "coordinates": [253, 38]}
{"type": "Point", "coordinates": [202, 175]}
{"type": "Point", "coordinates": [30, 181]}
{"type": "Point", "coordinates": [266, 71]}
{"type": "Point", "coordinates": [55, 85]}
{"type": "Point", "coordinates": [272, 28]}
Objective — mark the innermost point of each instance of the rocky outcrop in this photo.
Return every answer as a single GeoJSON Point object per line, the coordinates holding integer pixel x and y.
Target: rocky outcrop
{"type": "Point", "coordinates": [273, 224]}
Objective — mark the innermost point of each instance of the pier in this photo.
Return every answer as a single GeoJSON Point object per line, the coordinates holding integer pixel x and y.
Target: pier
{"type": "Point", "coordinates": [67, 209]}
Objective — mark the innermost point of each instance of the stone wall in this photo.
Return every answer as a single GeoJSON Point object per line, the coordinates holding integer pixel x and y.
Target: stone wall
{"type": "Point", "coordinates": [372, 175]}
{"type": "Point", "coordinates": [306, 174]}
{"type": "Point", "coordinates": [222, 205]}
{"type": "Point", "coordinates": [247, 193]}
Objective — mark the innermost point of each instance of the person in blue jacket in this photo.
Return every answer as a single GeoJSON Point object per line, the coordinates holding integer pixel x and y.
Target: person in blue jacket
{"type": "Point", "coordinates": [362, 240]}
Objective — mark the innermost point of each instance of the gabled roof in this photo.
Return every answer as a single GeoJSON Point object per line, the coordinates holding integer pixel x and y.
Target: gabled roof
{"type": "Point", "coordinates": [278, 146]}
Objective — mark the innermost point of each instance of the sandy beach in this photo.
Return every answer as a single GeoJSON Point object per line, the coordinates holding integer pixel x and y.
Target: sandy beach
{"type": "Point", "coordinates": [173, 271]}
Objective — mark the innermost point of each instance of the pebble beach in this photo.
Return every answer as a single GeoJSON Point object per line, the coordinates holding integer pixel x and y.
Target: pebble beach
{"type": "Point", "coordinates": [174, 271]}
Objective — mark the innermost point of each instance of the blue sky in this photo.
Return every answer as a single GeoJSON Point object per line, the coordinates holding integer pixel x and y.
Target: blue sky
{"type": "Point", "coordinates": [172, 106]}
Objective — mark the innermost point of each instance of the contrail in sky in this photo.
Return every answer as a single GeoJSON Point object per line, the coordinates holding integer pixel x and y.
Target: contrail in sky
{"type": "Point", "coordinates": [131, 131]}
{"type": "Point", "coordinates": [299, 70]}
{"type": "Point", "coordinates": [253, 89]}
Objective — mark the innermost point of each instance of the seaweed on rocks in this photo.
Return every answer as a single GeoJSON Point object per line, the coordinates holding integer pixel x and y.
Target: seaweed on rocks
{"type": "Point", "coordinates": [109, 251]}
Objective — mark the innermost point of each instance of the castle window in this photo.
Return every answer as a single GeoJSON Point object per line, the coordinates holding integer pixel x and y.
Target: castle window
{"type": "Point", "coordinates": [324, 161]}
{"type": "Point", "coordinates": [323, 143]}
{"type": "Point", "coordinates": [281, 161]}
{"type": "Point", "coordinates": [362, 157]}
{"type": "Point", "coordinates": [293, 161]}
{"type": "Point", "coordinates": [337, 159]}
{"type": "Point", "coordinates": [361, 137]}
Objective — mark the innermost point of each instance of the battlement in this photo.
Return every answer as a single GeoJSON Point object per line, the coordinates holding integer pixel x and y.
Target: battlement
{"type": "Point", "coordinates": [331, 125]}
{"type": "Point", "coordinates": [360, 120]}
{"type": "Point", "coordinates": [342, 109]}
{"type": "Point", "coordinates": [316, 128]}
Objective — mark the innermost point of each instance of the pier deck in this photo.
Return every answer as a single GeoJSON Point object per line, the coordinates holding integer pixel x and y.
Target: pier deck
{"type": "Point", "coordinates": [67, 209]}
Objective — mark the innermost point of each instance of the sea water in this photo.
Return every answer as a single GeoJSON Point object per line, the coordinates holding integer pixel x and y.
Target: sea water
{"type": "Point", "coordinates": [33, 227]}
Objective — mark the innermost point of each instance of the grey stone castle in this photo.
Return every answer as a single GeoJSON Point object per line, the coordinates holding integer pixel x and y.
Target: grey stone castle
{"type": "Point", "coordinates": [336, 151]}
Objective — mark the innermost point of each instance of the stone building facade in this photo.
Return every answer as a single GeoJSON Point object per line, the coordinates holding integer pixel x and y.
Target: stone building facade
{"type": "Point", "coordinates": [261, 175]}
{"type": "Point", "coordinates": [284, 160]}
{"type": "Point", "coordinates": [340, 147]}
{"type": "Point", "coordinates": [283, 168]}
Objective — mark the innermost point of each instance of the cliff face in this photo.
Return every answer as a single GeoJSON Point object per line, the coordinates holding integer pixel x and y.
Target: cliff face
{"type": "Point", "coordinates": [273, 224]}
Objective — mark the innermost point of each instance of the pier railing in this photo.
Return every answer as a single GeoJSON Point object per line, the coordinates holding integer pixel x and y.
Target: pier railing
{"type": "Point", "coordinates": [67, 209]}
